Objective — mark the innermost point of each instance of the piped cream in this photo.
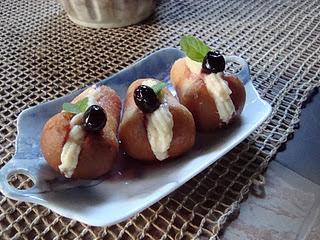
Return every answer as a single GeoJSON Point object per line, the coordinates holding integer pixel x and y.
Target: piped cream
{"type": "Point", "coordinates": [159, 127]}
{"type": "Point", "coordinates": [72, 148]}
{"type": "Point", "coordinates": [218, 89]}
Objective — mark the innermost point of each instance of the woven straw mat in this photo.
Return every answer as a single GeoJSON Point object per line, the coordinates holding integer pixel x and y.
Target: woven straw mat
{"type": "Point", "coordinates": [43, 56]}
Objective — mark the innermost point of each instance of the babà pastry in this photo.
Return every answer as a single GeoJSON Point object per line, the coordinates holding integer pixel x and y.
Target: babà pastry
{"type": "Point", "coordinates": [155, 126]}
{"type": "Point", "coordinates": [214, 98]}
{"type": "Point", "coordinates": [81, 141]}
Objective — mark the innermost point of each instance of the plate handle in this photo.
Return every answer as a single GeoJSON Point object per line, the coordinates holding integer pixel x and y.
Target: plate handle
{"type": "Point", "coordinates": [43, 177]}
{"type": "Point", "coordinates": [244, 73]}
{"type": "Point", "coordinates": [12, 168]}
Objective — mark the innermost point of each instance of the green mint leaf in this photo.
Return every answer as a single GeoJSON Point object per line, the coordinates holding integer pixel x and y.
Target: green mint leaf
{"type": "Point", "coordinates": [158, 87]}
{"type": "Point", "coordinates": [83, 104]}
{"type": "Point", "coordinates": [71, 108]}
{"type": "Point", "coordinates": [78, 107]}
{"type": "Point", "coordinates": [194, 48]}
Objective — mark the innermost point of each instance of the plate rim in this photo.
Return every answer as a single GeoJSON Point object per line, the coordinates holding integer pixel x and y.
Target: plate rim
{"type": "Point", "coordinates": [32, 197]}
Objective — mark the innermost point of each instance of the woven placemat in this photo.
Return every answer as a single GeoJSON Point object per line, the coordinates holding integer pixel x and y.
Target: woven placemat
{"type": "Point", "coordinates": [44, 56]}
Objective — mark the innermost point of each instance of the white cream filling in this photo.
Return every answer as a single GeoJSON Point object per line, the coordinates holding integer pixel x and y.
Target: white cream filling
{"type": "Point", "coordinates": [218, 89]}
{"type": "Point", "coordinates": [194, 67]}
{"type": "Point", "coordinates": [159, 127]}
{"type": "Point", "coordinates": [71, 149]}
{"type": "Point", "coordinates": [76, 119]}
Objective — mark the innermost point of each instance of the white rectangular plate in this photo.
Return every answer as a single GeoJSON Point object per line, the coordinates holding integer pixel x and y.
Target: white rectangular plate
{"type": "Point", "coordinates": [132, 187]}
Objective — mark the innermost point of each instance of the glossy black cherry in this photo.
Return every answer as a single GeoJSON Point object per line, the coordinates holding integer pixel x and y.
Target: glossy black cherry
{"type": "Point", "coordinates": [94, 118]}
{"type": "Point", "coordinates": [146, 99]}
{"type": "Point", "coordinates": [213, 62]}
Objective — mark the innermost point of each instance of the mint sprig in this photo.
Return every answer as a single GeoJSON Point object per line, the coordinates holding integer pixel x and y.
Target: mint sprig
{"type": "Point", "coordinates": [78, 107]}
{"type": "Point", "coordinates": [158, 87]}
{"type": "Point", "coordinates": [194, 48]}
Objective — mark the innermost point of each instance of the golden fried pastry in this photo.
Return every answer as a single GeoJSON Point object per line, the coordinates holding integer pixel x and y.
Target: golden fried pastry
{"type": "Point", "coordinates": [213, 98]}
{"type": "Point", "coordinates": [81, 141]}
{"type": "Point", "coordinates": [155, 126]}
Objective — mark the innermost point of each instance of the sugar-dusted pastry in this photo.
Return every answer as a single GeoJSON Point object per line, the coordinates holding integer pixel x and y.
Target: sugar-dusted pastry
{"type": "Point", "coordinates": [81, 141]}
{"type": "Point", "coordinates": [213, 98]}
{"type": "Point", "coordinates": [155, 126]}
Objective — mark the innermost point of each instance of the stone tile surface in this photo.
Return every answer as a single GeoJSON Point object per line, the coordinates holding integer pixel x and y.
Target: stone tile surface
{"type": "Point", "coordinates": [315, 229]}
{"type": "Point", "coordinates": [286, 209]}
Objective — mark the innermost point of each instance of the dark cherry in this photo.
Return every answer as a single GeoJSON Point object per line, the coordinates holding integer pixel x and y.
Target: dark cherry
{"type": "Point", "coordinates": [213, 62]}
{"type": "Point", "coordinates": [94, 118]}
{"type": "Point", "coordinates": [146, 99]}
